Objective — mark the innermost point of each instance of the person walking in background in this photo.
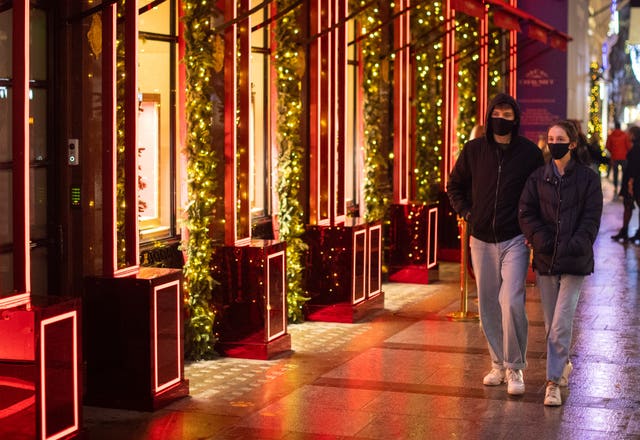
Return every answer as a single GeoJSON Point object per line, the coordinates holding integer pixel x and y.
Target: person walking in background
{"type": "Point", "coordinates": [596, 153]}
{"type": "Point", "coordinates": [630, 186]}
{"type": "Point", "coordinates": [559, 213]}
{"type": "Point", "coordinates": [484, 188]}
{"type": "Point", "coordinates": [618, 145]}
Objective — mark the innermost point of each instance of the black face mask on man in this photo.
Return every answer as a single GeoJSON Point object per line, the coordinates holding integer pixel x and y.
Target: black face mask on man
{"type": "Point", "coordinates": [501, 126]}
{"type": "Point", "coordinates": [558, 150]}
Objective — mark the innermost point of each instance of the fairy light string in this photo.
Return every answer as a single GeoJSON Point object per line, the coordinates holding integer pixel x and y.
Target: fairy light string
{"type": "Point", "coordinates": [203, 166]}
{"type": "Point", "coordinates": [427, 19]}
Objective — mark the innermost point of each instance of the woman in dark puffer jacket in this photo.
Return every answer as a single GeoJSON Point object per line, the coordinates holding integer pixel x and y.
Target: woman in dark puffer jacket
{"type": "Point", "coordinates": [559, 214]}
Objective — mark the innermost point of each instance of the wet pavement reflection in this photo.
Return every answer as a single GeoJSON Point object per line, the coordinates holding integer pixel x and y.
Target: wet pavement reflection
{"type": "Point", "coordinates": [410, 373]}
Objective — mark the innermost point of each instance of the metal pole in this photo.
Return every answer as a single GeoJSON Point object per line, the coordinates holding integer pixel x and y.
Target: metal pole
{"type": "Point", "coordinates": [463, 314]}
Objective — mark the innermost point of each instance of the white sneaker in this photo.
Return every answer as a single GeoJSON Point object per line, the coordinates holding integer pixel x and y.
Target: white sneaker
{"type": "Point", "coordinates": [515, 382]}
{"type": "Point", "coordinates": [495, 377]}
{"type": "Point", "coordinates": [552, 396]}
{"type": "Point", "coordinates": [564, 380]}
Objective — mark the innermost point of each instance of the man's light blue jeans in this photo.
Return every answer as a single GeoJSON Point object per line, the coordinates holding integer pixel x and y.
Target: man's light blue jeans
{"type": "Point", "coordinates": [559, 295]}
{"type": "Point", "coordinates": [500, 270]}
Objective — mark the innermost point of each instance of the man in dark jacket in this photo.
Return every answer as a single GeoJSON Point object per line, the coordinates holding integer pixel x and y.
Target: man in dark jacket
{"type": "Point", "coordinates": [484, 188]}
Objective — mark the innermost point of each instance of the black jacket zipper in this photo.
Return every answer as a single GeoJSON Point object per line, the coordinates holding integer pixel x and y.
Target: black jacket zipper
{"type": "Point", "coordinates": [557, 183]}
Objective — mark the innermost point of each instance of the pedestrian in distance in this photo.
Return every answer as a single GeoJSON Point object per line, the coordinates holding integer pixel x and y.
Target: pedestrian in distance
{"type": "Point", "coordinates": [484, 189]}
{"type": "Point", "coordinates": [598, 157]}
{"type": "Point", "coordinates": [559, 213]}
{"type": "Point", "coordinates": [618, 144]}
{"type": "Point", "coordinates": [630, 187]}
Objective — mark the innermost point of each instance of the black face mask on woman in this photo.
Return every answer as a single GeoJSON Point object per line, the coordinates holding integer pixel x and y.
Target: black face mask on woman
{"type": "Point", "coordinates": [502, 126]}
{"type": "Point", "coordinates": [558, 150]}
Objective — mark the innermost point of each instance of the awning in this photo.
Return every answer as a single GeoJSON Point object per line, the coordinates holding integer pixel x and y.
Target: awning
{"type": "Point", "coordinates": [507, 21]}
{"type": "Point", "coordinates": [507, 17]}
{"type": "Point", "coordinates": [474, 8]}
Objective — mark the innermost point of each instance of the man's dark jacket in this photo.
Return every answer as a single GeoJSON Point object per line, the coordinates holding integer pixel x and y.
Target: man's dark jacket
{"type": "Point", "coordinates": [485, 184]}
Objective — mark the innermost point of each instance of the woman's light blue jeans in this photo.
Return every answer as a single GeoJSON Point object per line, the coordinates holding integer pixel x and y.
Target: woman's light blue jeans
{"type": "Point", "coordinates": [500, 270]}
{"type": "Point", "coordinates": [559, 295]}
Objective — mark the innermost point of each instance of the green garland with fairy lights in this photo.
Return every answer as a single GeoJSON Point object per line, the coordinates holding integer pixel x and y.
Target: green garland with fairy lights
{"type": "Point", "coordinates": [594, 125]}
{"type": "Point", "coordinates": [289, 64]}
{"type": "Point", "coordinates": [497, 46]}
{"type": "Point", "coordinates": [378, 156]}
{"type": "Point", "coordinates": [427, 24]}
{"type": "Point", "coordinates": [202, 169]}
{"type": "Point", "coordinates": [468, 43]}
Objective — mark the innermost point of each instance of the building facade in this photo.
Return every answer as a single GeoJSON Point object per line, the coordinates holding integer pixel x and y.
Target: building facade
{"type": "Point", "coordinates": [154, 133]}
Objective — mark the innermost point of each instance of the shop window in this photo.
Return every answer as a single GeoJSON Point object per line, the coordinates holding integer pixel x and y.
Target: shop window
{"type": "Point", "coordinates": [262, 159]}
{"type": "Point", "coordinates": [38, 146]}
{"type": "Point", "coordinates": [149, 158]}
{"type": "Point", "coordinates": [157, 169]}
{"type": "Point", "coordinates": [262, 149]}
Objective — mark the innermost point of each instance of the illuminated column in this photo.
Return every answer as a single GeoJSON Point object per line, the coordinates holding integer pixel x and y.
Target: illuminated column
{"type": "Point", "coordinates": [315, 114]}
{"type": "Point", "coordinates": [243, 134]}
{"type": "Point", "coordinates": [109, 143]}
{"type": "Point", "coordinates": [340, 71]}
{"type": "Point", "coordinates": [149, 332]}
{"type": "Point", "coordinates": [483, 76]}
{"type": "Point", "coordinates": [401, 95]}
{"type": "Point", "coordinates": [132, 237]}
{"type": "Point", "coordinates": [237, 102]}
{"type": "Point", "coordinates": [513, 57]}
{"type": "Point", "coordinates": [111, 264]}
{"type": "Point", "coordinates": [449, 92]}
{"type": "Point", "coordinates": [20, 90]}
{"type": "Point", "coordinates": [249, 298]}
{"type": "Point", "coordinates": [327, 111]}
{"type": "Point", "coordinates": [230, 100]}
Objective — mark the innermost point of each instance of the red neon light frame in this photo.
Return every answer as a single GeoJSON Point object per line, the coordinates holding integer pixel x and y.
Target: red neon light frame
{"type": "Point", "coordinates": [432, 216]}
{"type": "Point", "coordinates": [327, 111]}
{"type": "Point", "coordinates": [160, 387]}
{"type": "Point", "coordinates": [15, 301]}
{"type": "Point", "coordinates": [270, 337]}
{"type": "Point", "coordinates": [378, 230]}
{"type": "Point", "coordinates": [109, 173]}
{"type": "Point", "coordinates": [358, 299]}
{"type": "Point", "coordinates": [73, 315]}
{"type": "Point", "coordinates": [20, 124]}
{"type": "Point", "coordinates": [402, 95]}
{"type": "Point", "coordinates": [449, 93]}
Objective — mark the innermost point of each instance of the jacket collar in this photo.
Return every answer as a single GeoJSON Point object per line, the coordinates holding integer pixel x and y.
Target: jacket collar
{"type": "Point", "coordinates": [551, 173]}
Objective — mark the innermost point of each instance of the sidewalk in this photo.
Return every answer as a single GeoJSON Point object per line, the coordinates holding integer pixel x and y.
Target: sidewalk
{"type": "Point", "coordinates": [410, 373]}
